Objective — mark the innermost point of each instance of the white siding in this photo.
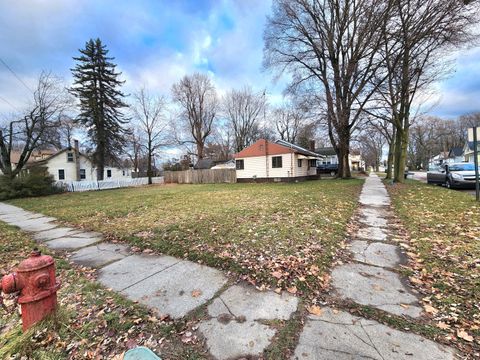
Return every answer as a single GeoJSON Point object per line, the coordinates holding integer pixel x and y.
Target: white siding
{"type": "Point", "coordinates": [255, 167]}
{"type": "Point", "coordinates": [60, 163]}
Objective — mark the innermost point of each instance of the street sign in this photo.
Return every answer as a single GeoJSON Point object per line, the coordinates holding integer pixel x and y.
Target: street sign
{"type": "Point", "coordinates": [474, 135]}
{"type": "Point", "coordinates": [470, 134]}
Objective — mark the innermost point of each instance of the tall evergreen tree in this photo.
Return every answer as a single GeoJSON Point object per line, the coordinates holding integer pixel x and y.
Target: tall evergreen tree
{"type": "Point", "coordinates": [96, 85]}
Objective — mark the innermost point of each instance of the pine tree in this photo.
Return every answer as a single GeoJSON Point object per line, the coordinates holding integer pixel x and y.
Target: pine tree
{"type": "Point", "coordinates": [96, 85]}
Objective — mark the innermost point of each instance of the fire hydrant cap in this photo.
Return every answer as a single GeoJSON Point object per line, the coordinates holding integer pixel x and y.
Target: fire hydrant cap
{"type": "Point", "coordinates": [35, 262]}
{"type": "Point", "coordinates": [8, 284]}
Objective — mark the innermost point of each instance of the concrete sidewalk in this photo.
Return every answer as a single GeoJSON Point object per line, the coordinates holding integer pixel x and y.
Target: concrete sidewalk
{"type": "Point", "coordinates": [369, 280]}
{"type": "Point", "coordinates": [237, 314]}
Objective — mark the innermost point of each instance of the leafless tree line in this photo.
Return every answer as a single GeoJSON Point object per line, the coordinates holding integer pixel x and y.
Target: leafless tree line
{"type": "Point", "coordinates": [366, 59]}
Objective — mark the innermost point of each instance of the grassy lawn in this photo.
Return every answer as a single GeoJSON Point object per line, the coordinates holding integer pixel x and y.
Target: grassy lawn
{"type": "Point", "coordinates": [444, 251]}
{"type": "Point", "coordinates": [278, 235]}
{"type": "Point", "coordinates": [92, 322]}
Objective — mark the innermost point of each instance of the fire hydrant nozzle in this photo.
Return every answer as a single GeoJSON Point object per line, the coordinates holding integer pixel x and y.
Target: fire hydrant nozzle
{"type": "Point", "coordinates": [36, 282]}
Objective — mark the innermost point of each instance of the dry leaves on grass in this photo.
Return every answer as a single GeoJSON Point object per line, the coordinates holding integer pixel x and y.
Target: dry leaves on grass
{"type": "Point", "coordinates": [444, 255]}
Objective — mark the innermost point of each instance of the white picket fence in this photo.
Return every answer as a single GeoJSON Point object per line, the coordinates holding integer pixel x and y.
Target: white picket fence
{"type": "Point", "coordinates": [75, 186]}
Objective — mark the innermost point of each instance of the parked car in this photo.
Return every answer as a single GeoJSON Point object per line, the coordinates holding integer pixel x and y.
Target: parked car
{"type": "Point", "coordinates": [457, 175]}
{"type": "Point", "coordinates": [327, 169]}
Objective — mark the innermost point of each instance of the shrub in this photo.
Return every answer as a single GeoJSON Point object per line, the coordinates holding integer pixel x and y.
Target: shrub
{"type": "Point", "coordinates": [37, 182]}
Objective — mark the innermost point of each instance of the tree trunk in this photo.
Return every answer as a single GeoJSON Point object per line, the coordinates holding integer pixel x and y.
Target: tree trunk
{"type": "Point", "coordinates": [401, 147]}
{"type": "Point", "coordinates": [343, 152]}
{"type": "Point", "coordinates": [149, 167]}
{"type": "Point", "coordinates": [391, 156]}
{"type": "Point", "coordinates": [200, 147]}
{"type": "Point", "coordinates": [100, 156]}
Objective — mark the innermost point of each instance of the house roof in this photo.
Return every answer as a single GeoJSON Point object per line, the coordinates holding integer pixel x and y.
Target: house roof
{"type": "Point", "coordinates": [263, 147]}
{"type": "Point", "coordinates": [204, 164]}
{"type": "Point", "coordinates": [36, 155]}
{"type": "Point", "coordinates": [455, 151]}
{"type": "Point", "coordinates": [298, 149]}
{"type": "Point", "coordinates": [326, 151]}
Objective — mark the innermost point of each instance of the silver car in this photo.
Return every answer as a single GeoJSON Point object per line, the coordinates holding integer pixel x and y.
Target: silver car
{"type": "Point", "coordinates": [457, 175]}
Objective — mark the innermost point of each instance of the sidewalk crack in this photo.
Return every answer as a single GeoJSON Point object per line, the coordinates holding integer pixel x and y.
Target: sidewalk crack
{"type": "Point", "coordinates": [149, 276]}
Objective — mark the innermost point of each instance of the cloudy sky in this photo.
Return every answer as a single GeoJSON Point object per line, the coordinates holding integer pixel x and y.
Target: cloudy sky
{"type": "Point", "coordinates": [156, 42]}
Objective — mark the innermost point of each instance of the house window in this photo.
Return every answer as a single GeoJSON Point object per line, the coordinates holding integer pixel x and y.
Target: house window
{"type": "Point", "coordinates": [299, 162]}
{"type": "Point", "coordinates": [70, 157]}
{"type": "Point", "coordinates": [61, 174]}
{"type": "Point", "coordinates": [83, 175]}
{"type": "Point", "coordinates": [239, 164]}
{"type": "Point", "coordinates": [109, 173]}
{"type": "Point", "coordinates": [123, 172]}
{"type": "Point", "coordinates": [312, 163]}
{"type": "Point", "coordinates": [276, 162]}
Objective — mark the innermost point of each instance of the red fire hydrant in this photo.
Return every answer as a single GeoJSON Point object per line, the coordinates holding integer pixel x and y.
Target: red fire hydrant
{"type": "Point", "coordinates": [35, 279]}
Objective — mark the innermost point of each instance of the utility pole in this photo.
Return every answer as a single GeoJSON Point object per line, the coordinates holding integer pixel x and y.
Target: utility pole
{"type": "Point", "coordinates": [265, 131]}
{"type": "Point", "coordinates": [475, 159]}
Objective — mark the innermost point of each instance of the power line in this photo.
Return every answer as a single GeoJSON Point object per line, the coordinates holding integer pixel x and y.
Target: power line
{"type": "Point", "coordinates": [9, 103]}
{"type": "Point", "coordinates": [16, 76]}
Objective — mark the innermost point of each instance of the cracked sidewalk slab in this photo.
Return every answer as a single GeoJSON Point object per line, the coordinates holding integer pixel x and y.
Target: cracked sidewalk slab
{"type": "Point", "coordinates": [378, 254]}
{"type": "Point", "coordinates": [374, 200]}
{"type": "Point", "coordinates": [133, 269]}
{"type": "Point", "coordinates": [377, 287]}
{"type": "Point", "coordinates": [338, 335]}
{"type": "Point", "coordinates": [251, 304]}
{"type": "Point", "coordinates": [373, 220]}
{"type": "Point", "coordinates": [234, 331]}
{"type": "Point", "coordinates": [55, 233]}
{"type": "Point", "coordinates": [372, 234]}
{"type": "Point", "coordinates": [376, 212]}
{"type": "Point", "coordinates": [178, 289]}
{"type": "Point", "coordinates": [99, 255]}
{"type": "Point", "coordinates": [72, 242]}
{"type": "Point", "coordinates": [236, 340]}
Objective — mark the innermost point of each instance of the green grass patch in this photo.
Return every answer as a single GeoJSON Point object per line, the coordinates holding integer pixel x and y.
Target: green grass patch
{"type": "Point", "coordinates": [253, 230]}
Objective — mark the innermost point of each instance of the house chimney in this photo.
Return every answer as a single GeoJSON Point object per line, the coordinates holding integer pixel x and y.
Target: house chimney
{"type": "Point", "coordinates": [77, 159]}
{"type": "Point", "coordinates": [312, 145]}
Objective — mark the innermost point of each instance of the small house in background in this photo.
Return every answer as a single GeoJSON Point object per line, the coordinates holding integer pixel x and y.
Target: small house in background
{"type": "Point", "coordinates": [71, 165]}
{"type": "Point", "coordinates": [230, 164]}
{"type": "Point", "coordinates": [468, 153]}
{"type": "Point", "coordinates": [275, 161]}
{"type": "Point", "coordinates": [329, 163]}
{"type": "Point", "coordinates": [455, 155]}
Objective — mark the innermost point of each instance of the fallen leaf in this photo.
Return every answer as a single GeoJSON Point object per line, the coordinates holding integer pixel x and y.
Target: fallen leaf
{"type": "Point", "coordinates": [292, 290]}
{"type": "Point", "coordinates": [277, 274]}
{"type": "Point", "coordinates": [314, 310]}
{"type": "Point", "coordinates": [196, 293]}
{"type": "Point", "coordinates": [430, 309]}
{"type": "Point", "coordinates": [442, 325]}
{"type": "Point", "coordinates": [462, 334]}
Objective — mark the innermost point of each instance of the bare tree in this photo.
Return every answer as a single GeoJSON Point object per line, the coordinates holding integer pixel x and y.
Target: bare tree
{"type": "Point", "coordinates": [149, 111]}
{"type": "Point", "coordinates": [134, 149]}
{"type": "Point", "coordinates": [371, 142]}
{"type": "Point", "coordinates": [197, 98]}
{"type": "Point", "coordinates": [331, 46]}
{"type": "Point", "coordinates": [33, 128]}
{"type": "Point", "coordinates": [289, 120]}
{"type": "Point", "coordinates": [417, 38]}
{"type": "Point", "coordinates": [243, 109]}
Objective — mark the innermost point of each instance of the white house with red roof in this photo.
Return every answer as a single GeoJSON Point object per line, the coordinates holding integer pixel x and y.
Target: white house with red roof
{"type": "Point", "coordinates": [275, 161]}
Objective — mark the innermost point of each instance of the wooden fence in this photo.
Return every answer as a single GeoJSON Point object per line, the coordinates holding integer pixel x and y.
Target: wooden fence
{"type": "Point", "coordinates": [215, 176]}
